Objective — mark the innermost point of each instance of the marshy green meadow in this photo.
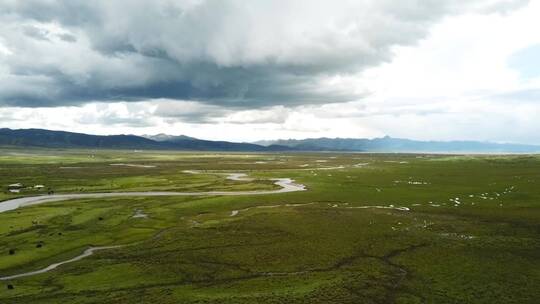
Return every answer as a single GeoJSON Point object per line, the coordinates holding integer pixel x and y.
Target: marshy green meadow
{"type": "Point", "coordinates": [187, 227]}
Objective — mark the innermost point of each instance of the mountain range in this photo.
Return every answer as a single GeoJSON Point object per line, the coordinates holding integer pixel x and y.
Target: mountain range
{"type": "Point", "coordinates": [389, 144]}
{"type": "Point", "coordinates": [62, 139]}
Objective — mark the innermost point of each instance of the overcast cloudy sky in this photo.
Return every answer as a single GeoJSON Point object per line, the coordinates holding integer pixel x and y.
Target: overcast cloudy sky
{"type": "Point", "coordinates": [249, 70]}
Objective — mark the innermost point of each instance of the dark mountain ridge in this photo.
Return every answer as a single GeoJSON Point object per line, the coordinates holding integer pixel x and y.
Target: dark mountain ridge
{"type": "Point", "coordinates": [62, 139]}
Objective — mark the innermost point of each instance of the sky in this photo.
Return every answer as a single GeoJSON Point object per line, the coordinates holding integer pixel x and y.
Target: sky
{"type": "Point", "coordinates": [257, 70]}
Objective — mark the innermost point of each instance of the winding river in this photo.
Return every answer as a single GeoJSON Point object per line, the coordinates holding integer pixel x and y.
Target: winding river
{"type": "Point", "coordinates": [88, 252]}
{"type": "Point", "coordinates": [286, 184]}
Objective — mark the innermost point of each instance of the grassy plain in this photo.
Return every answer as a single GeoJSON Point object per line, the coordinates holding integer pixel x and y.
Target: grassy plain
{"type": "Point", "coordinates": [471, 234]}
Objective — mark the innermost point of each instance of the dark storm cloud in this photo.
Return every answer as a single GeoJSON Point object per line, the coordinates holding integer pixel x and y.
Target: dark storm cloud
{"type": "Point", "coordinates": [238, 54]}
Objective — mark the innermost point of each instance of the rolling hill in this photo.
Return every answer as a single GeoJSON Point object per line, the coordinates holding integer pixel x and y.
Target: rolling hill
{"type": "Point", "coordinates": [61, 139]}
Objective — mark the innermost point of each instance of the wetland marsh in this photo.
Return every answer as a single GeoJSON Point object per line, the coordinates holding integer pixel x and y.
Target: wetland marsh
{"type": "Point", "coordinates": [369, 228]}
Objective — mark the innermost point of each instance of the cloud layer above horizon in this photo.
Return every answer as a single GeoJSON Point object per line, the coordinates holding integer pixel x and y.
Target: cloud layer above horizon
{"type": "Point", "coordinates": [149, 65]}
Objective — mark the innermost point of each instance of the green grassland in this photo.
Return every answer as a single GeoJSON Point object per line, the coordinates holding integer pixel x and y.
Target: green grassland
{"type": "Point", "coordinates": [471, 233]}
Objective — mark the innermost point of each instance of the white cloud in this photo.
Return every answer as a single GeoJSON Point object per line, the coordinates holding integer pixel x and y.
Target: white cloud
{"type": "Point", "coordinates": [424, 70]}
{"type": "Point", "coordinates": [251, 54]}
